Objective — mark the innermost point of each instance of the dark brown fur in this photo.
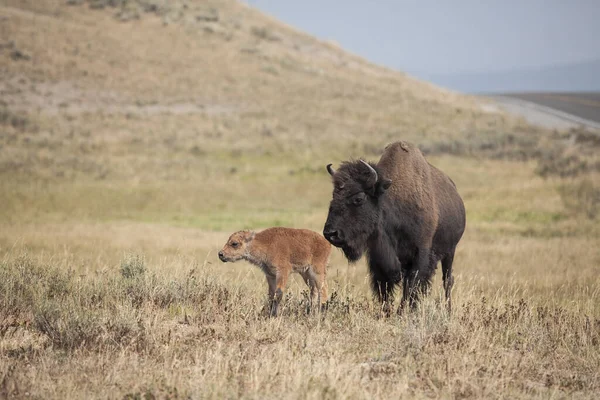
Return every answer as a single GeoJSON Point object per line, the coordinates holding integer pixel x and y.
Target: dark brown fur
{"type": "Point", "coordinates": [279, 252]}
{"type": "Point", "coordinates": [407, 216]}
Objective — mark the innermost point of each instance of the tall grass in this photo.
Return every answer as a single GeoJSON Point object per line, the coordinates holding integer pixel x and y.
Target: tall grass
{"type": "Point", "coordinates": [192, 334]}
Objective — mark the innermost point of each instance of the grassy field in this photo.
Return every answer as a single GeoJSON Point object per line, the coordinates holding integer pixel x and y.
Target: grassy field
{"type": "Point", "coordinates": [134, 139]}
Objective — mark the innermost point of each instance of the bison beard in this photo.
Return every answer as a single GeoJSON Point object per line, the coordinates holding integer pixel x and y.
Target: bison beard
{"type": "Point", "coordinates": [353, 251]}
{"type": "Point", "coordinates": [385, 269]}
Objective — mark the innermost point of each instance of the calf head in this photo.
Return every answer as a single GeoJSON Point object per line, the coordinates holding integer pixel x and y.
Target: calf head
{"type": "Point", "coordinates": [236, 247]}
{"type": "Point", "coordinates": [355, 209]}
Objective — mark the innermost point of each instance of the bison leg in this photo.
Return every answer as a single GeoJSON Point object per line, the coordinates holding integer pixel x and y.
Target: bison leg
{"type": "Point", "coordinates": [416, 280]}
{"type": "Point", "coordinates": [413, 287]}
{"type": "Point", "coordinates": [383, 288]}
{"type": "Point", "coordinates": [448, 279]}
{"type": "Point", "coordinates": [407, 289]}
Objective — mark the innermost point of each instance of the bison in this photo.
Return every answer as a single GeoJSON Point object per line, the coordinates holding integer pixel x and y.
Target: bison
{"type": "Point", "coordinates": [404, 213]}
{"type": "Point", "coordinates": [279, 252]}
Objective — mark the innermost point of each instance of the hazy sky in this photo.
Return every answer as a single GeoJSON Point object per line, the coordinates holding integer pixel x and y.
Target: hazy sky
{"type": "Point", "coordinates": [425, 37]}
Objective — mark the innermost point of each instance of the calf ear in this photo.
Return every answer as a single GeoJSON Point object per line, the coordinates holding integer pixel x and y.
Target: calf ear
{"type": "Point", "coordinates": [248, 236]}
{"type": "Point", "coordinates": [381, 186]}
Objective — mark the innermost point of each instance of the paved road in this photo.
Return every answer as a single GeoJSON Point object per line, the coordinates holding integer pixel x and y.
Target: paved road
{"type": "Point", "coordinates": [554, 110]}
{"type": "Point", "coordinates": [583, 105]}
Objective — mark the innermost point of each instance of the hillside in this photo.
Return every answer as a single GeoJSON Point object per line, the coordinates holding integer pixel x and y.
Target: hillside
{"type": "Point", "coordinates": [210, 77]}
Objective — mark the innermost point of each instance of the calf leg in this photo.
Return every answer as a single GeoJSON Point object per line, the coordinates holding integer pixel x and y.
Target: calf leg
{"type": "Point", "coordinates": [321, 282]}
{"type": "Point", "coordinates": [316, 283]}
{"type": "Point", "coordinates": [311, 282]}
{"type": "Point", "coordinates": [281, 279]}
{"type": "Point", "coordinates": [448, 279]}
{"type": "Point", "coordinates": [324, 289]}
{"type": "Point", "coordinates": [272, 288]}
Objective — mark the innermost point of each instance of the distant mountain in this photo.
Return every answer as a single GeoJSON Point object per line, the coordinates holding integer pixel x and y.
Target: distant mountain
{"type": "Point", "coordinates": [575, 77]}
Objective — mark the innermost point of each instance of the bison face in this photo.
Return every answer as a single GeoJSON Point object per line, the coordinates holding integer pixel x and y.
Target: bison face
{"type": "Point", "coordinates": [354, 211]}
{"type": "Point", "coordinates": [236, 247]}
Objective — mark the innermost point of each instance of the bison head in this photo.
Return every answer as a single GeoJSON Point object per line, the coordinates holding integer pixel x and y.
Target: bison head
{"type": "Point", "coordinates": [354, 211]}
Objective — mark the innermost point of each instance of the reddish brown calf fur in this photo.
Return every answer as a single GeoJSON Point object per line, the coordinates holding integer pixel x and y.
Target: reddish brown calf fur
{"type": "Point", "coordinates": [279, 252]}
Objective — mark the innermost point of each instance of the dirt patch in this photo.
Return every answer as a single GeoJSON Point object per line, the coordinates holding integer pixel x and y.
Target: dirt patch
{"type": "Point", "coordinates": [21, 94]}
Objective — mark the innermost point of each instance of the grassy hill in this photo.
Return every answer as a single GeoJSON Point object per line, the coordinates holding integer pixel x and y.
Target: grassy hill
{"type": "Point", "coordinates": [221, 77]}
{"type": "Point", "coordinates": [136, 135]}
{"type": "Point", "coordinates": [210, 94]}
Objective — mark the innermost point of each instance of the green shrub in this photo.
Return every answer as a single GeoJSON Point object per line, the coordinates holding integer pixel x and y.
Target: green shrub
{"type": "Point", "coordinates": [94, 313]}
{"type": "Point", "coordinates": [70, 326]}
{"type": "Point", "coordinates": [264, 34]}
{"type": "Point", "coordinates": [133, 266]}
{"type": "Point", "coordinates": [559, 163]}
{"type": "Point", "coordinates": [582, 197]}
{"type": "Point", "coordinates": [18, 121]}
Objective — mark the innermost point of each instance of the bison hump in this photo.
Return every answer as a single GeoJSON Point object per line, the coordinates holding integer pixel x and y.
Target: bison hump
{"type": "Point", "coordinates": [402, 144]}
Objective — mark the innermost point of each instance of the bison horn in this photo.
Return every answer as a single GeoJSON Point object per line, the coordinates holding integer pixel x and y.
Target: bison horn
{"type": "Point", "coordinates": [330, 170]}
{"type": "Point", "coordinates": [371, 169]}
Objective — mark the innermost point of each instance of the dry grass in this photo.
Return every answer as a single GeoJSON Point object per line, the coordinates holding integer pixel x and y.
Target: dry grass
{"type": "Point", "coordinates": [130, 150]}
{"type": "Point", "coordinates": [197, 329]}
{"type": "Point", "coordinates": [111, 309]}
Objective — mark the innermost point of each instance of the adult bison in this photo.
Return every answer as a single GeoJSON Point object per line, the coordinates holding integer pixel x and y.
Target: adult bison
{"type": "Point", "coordinates": [405, 213]}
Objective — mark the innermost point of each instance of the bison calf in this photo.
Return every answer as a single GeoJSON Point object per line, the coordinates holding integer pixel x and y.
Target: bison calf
{"type": "Point", "coordinates": [279, 252]}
